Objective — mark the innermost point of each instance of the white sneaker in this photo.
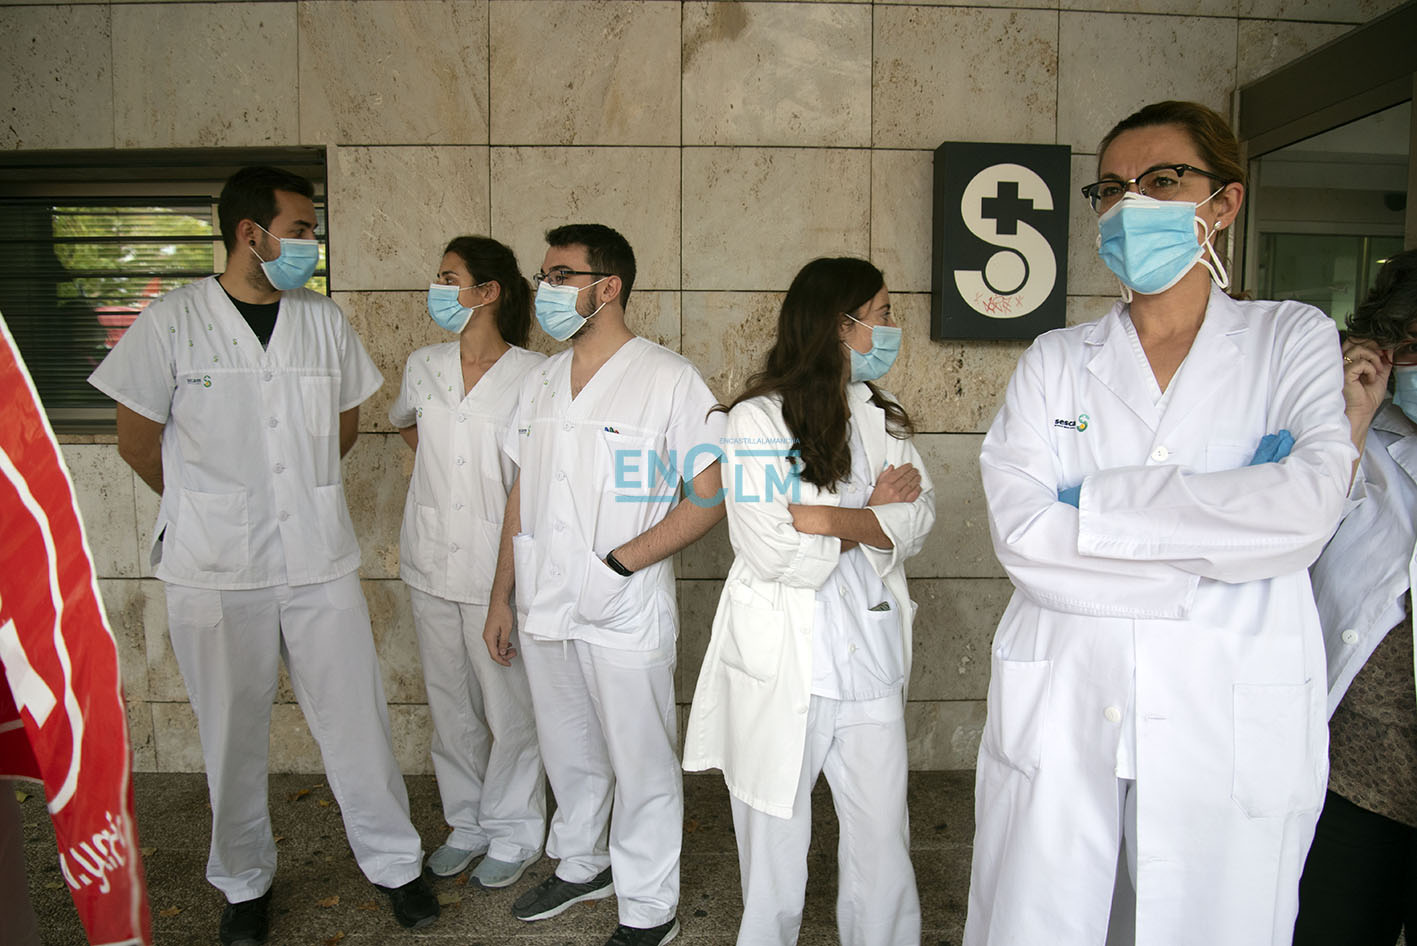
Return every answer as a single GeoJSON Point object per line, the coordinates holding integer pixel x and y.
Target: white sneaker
{"type": "Point", "coordinates": [492, 873]}
{"type": "Point", "coordinates": [449, 861]}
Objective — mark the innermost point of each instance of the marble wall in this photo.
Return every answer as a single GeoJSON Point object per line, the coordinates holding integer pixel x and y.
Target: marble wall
{"type": "Point", "coordinates": [729, 141]}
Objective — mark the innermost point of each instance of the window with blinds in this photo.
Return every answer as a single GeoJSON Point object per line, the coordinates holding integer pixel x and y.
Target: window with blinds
{"type": "Point", "coordinates": [84, 250]}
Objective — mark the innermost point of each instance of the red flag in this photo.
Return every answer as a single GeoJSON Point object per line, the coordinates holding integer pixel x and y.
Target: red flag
{"type": "Point", "coordinates": [62, 715]}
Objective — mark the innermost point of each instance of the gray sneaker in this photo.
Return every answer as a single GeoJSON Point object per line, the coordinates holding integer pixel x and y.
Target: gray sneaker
{"type": "Point", "coordinates": [494, 874]}
{"type": "Point", "coordinates": [554, 896]}
{"type": "Point", "coordinates": [449, 861]}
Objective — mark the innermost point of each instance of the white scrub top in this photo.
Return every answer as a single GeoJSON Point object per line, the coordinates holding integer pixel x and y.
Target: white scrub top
{"type": "Point", "coordinates": [452, 519]}
{"type": "Point", "coordinates": [250, 451]}
{"type": "Point", "coordinates": [596, 472]}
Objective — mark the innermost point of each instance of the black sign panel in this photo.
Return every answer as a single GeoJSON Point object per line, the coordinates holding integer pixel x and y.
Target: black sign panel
{"type": "Point", "coordinates": [1000, 240]}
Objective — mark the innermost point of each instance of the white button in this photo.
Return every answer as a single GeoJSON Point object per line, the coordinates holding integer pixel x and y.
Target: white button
{"type": "Point", "coordinates": [457, 505]}
{"type": "Point", "coordinates": [555, 573]}
{"type": "Point", "coordinates": [461, 418]}
{"type": "Point", "coordinates": [268, 375]}
{"type": "Point", "coordinates": [568, 426]}
{"type": "Point", "coordinates": [1160, 454]}
{"type": "Point", "coordinates": [560, 475]}
{"type": "Point", "coordinates": [278, 468]}
{"type": "Point", "coordinates": [851, 648]}
{"type": "Point", "coordinates": [453, 547]}
{"type": "Point", "coordinates": [841, 589]}
{"type": "Point", "coordinates": [801, 709]}
{"type": "Point", "coordinates": [1350, 636]}
{"type": "Point", "coordinates": [1112, 714]}
{"type": "Point", "coordinates": [283, 516]}
{"type": "Point", "coordinates": [460, 461]}
{"type": "Point", "coordinates": [274, 423]}
{"type": "Point", "coordinates": [560, 527]}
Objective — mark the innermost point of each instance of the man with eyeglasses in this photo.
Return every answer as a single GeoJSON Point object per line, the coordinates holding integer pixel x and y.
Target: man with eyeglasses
{"type": "Point", "coordinates": [237, 396]}
{"type": "Point", "coordinates": [606, 435]}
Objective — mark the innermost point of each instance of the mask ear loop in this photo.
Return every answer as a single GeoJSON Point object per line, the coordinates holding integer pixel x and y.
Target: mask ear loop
{"type": "Point", "coordinates": [1218, 273]}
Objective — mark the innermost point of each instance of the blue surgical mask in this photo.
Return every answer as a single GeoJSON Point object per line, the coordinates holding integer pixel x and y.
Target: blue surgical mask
{"type": "Point", "coordinates": [1150, 244]}
{"type": "Point", "coordinates": [885, 345]}
{"type": "Point", "coordinates": [446, 309]}
{"type": "Point", "coordinates": [1404, 383]}
{"type": "Point", "coordinates": [556, 309]}
{"type": "Point", "coordinates": [295, 264]}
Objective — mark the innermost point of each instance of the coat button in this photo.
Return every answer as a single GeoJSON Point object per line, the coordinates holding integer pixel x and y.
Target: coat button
{"type": "Point", "coordinates": [560, 476]}
{"type": "Point", "coordinates": [1350, 636]}
{"type": "Point", "coordinates": [1160, 454]}
{"type": "Point", "coordinates": [283, 516]}
{"type": "Point", "coordinates": [459, 461]}
{"type": "Point", "coordinates": [1112, 714]}
{"type": "Point", "coordinates": [273, 422]}
{"type": "Point", "coordinates": [801, 709]}
{"type": "Point", "coordinates": [278, 468]}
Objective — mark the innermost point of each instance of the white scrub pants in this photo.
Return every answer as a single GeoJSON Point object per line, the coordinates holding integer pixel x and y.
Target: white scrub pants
{"type": "Point", "coordinates": [860, 746]}
{"type": "Point", "coordinates": [606, 722]}
{"type": "Point", "coordinates": [484, 735]}
{"type": "Point", "coordinates": [228, 644]}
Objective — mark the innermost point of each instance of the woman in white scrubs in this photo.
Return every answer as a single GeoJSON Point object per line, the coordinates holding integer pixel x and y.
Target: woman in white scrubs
{"type": "Point", "coordinates": [1360, 882]}
{"type": "Point", "coordinates": [1158, 482]}
{"type": "Point", "coordinates": [810, 655]}
{"type": "Point", "coordinates": [455, 405]}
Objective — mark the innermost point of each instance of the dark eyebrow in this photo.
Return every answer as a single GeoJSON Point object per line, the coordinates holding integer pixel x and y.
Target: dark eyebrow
{"type": "Point", "coordinates": [446, 272]}
{"type": "Point", "coordinates": [305, 223]}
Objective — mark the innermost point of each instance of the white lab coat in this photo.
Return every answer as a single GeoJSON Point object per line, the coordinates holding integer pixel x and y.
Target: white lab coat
{"type": "Point", "coordinates": [452, 519]}
{"type": "Point", "coordinates": [749, 716]}
{"type": "Point", "coordinates": [252, 495]}
{"type": "Point", "coordinates": [1163, 631]}
{"type": "Point", "coordinates": [1370, 565]}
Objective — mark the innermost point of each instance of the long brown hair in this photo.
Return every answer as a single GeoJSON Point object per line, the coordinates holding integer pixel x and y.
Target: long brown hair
{"type": "Point", "coordinates": [489, 261]}
{"type": "Point", "coordinates": [807, 362]}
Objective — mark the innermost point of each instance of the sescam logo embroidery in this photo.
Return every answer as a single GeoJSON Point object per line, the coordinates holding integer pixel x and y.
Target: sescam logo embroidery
{"type": "Point", "coordinates": [205, 380]}
{"type": "Point", "coordinates": [1079, 425]}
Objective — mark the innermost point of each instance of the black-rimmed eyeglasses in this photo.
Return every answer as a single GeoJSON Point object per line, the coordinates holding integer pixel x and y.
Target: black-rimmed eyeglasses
{"type": "Point", "coordinates": [559, 275]}
{"type": "Point", "coordinates": [1162, 182]}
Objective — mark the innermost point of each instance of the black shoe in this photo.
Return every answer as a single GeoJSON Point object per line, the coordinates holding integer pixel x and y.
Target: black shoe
{"type": "Point", "coordinates": [554, 895]}
{"type": "Point", "coordinates": [246, 923]}
{"type": "Point", "coordinates": [414, 904]}
{"type": "Point", "coordinates": [637, 936]}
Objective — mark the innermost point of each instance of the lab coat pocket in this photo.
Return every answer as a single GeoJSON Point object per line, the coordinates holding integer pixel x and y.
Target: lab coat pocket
{"type": "Point", "coordinates": [524, 561]}
{"type": "Point", "coordinates": [755, 636]}
{"type": "Point", "coordinates": [1220, 456]}
{"type": "Point", "coordinates": [1018, 711]}
{"type": "Point", "coordinates": [332, 515]}
{"type": "Point", "coordinates": [1276, 768]}
{"type": "Point", "coordinates": [317, 394]}
{"type": "Point", "coordinates": [611, 601]}
{"type": "Point", "coordinates": [211, 534]}
{"type": "Point", "coordinates": [428, 539]}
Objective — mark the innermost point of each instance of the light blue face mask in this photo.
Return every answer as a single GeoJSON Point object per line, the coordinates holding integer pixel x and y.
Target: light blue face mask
{"type": "Point", "coordinates": [1150, 244]}
{"type": "Point", "coordinates": [1404, 382]}
{"type": "Point", "coordinates": [556, 309]}
{"type": "Point", "coordinates": [295, 264]}
{"type": "Point", "coordinates": [446, 310]}
{"type": "Point", "coordinates": [885, 345]}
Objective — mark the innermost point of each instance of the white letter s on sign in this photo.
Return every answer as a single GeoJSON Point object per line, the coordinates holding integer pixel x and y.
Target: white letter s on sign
{"type": "Point", "coordinates": [1018, 278]}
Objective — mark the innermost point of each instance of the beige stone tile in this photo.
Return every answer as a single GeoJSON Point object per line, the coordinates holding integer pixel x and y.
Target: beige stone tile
{"type": "Point", "coordinates": [1265, 45]}
{"type": "Point", "coordinates": [952, 634]}
{"type": "Point", "coordinates": [205, 75]}
{"type": "Point", "coordinates": [395, 640]}
{"type": "Point", "coordinates": [392, 210]}
{"type": "Point", "coordinates": [140, 735]}
{"type": "Point", "coordinates": [951, 386]}
{"type": "Point", "coordinates": [1104, 74]}
{"type": "Point", "coordinates": [1089, 308]}
{"type": "Point", "coordinates": [145, 502]}
{"type": "Point", "coordinates": [293, 748]}
{"type": "Point", "coordinates": [698, 602]}
{"type": "Point", "coordinates": [617, 81]}
{"type": "Point", "coordinates": [943, 735]}
{"type": "Point", "coordinates": [125, 603]}
{"type": "Point", "coordinates": [1340, 11]}
{"type": "Point", "coordinates": [959, 546]}
{"type": "Point", "coordinates": [56, 101]}
{"type": "Point", "coordinates": [176, 745]}
{"type": "Point", "coordinates": [1036, 4]}
{"type": "Point", "coordinates": [753, 216]}
{"type": "Point", "coordinates": [634, 190]}
{"type": "Point", "coordinates": [376, 473]}
{"type": "Point", "coordinates": [707, 558]}
{"type": "Point", "coordinates": [902, 212]}
{"type": "Point", "coordinates": [392, 325]}
{"type": "Point", "coordinates": [728, 334]}
{"type": "Point", "coordinates": [103, 487]}
{"type": "Point", "coordinates": [412, 730]}
{"type": "Point", "coordinates": [413, 72]}
{"type": "Point", "coordinates": [777, 74]}
{"type": "Point", "coordinates": [964, 75]}
{"type": "Point", "coordinates": [1087, 275]}
{"type": "Point", "coordinates": [1169, 7]}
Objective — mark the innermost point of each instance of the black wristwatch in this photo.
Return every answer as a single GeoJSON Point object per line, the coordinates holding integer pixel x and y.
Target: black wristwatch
{"type": "Point", "coordinates": [615, 565]}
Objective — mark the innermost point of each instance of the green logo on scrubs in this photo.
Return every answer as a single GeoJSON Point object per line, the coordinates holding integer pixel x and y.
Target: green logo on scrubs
{"type": "Point", "coordinates": [206, 380]}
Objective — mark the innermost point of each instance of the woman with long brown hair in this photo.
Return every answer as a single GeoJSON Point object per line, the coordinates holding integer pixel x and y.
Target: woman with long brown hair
{"type": "Point", "coordinates": [810, 654]}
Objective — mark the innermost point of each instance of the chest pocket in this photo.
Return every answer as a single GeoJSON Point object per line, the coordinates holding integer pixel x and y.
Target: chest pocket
{"type": "Point", "coordinates": [637, 485]}
{"type": "Point", "coordinates": [1228, 455]}
{"type": "Point", "coordinates": [317, 396]}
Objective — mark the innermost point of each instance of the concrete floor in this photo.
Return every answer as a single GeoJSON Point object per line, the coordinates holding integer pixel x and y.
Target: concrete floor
{"type": "Point", "coordinates": [321, 899]}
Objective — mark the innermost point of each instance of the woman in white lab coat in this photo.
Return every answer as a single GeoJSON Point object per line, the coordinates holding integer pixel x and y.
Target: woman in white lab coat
{"type": "Point", "coordinates": [1158, 482]}
{"type": "Point", "coordinates": [455, 404]}
{"type": "Point", "coordinates": [810, 655]}
{"type": "Point", "coordinates": [1360, 883]}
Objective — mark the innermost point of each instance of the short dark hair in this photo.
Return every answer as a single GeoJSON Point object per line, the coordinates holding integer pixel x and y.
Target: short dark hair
{"type": "Point", "coordinates": [250, 194]}
{"type": "Point", "coordinates": [606, 251]}
{"type": "Point", "coordinates": [489, 261]}
{"type": "Point", "coordinates": [1387, 315]}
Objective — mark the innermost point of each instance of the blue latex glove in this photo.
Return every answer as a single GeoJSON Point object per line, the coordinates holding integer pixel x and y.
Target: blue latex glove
{"type": "Point", "coordinates": [1070, 495]}
{"type": "Point", "coordinates": [1273, 448]}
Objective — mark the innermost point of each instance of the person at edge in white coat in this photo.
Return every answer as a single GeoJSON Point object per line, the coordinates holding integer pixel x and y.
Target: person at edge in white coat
{"type": "Point", "coordinates": [454, 409]}
{"type": "Point", "coordinates": [237, 396]}
{"type": "Point", "coordinates": [1158, 482]}
{"type": "Point", "coordinates": [1360, 882]}
{"type": "Point", "coordinates": [807, 667]}
{"type": "Point", "coordinates": [606, 435]}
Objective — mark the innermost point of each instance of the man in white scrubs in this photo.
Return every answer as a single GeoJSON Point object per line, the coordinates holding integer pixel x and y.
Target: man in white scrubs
{"type": "Point", "coordinates": [237, 396]}
{"type": "Point", "coordinates": [607, 433]}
